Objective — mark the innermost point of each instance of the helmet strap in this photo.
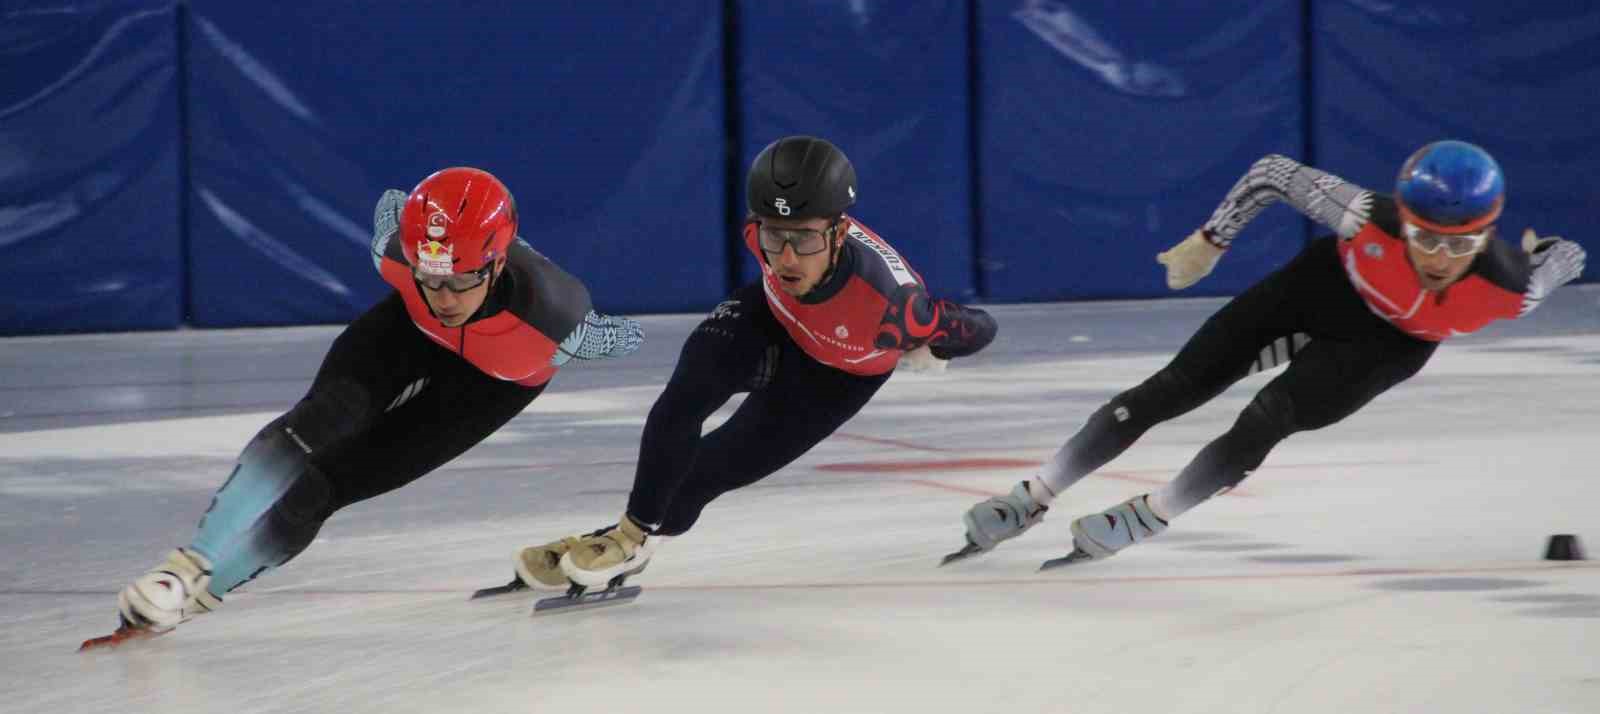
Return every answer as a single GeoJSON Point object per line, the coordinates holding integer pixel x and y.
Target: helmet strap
{"type": "Point", "coordinates": [834, 241]}
{"type": "Point", "coordinates": [424, 295]}
{"type": "Point", "coordinates": [483, 307]}
{"type": "Point", "coordinates": [488, 295]}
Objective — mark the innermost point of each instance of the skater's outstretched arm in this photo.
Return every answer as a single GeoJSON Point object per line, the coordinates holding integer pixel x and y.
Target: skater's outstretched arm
{"type": "Point", "coordinates": [557, 302]}
{"type": "Point", "coordinates": [949, 329]}
{"type": "Point", "coordinates": [1323, 197]}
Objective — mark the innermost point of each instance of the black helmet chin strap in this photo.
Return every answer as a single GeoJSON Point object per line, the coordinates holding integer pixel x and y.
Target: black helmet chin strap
{"type": "Point", "coordinates": [424, 295]}
{"type": "Point", "coordinates": [833, 255]}
{"type": "Point", "coordinates": [488, 296]}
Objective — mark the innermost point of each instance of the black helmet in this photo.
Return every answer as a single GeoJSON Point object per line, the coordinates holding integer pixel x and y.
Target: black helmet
{"type": "Point", "coordinates": [800, 177]}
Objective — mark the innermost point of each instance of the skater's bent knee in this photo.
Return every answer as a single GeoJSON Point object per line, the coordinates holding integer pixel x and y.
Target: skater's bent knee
{"type": "Point", "coordinates": [310, 499]}
{"type": "Point", "coordinates": [1270, 415]}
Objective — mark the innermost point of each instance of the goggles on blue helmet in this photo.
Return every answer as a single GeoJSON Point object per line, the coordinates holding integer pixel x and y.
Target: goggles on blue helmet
{"type": "Point", "coordinates": [1455, 245]}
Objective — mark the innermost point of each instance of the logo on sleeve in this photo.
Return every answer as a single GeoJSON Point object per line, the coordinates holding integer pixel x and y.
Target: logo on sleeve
{"type": "Point", "coordinates": [725, 310]}
{"type": "Point", "coordinates": [897, 266]}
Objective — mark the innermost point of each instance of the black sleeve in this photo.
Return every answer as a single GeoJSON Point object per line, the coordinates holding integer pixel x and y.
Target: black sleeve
{"type": "Point", "coordinates": [1504, 265]}
{"type": "Point", "coordinates": [1385, 215]}
{"type": "Point", "coordinates": [545, 296]}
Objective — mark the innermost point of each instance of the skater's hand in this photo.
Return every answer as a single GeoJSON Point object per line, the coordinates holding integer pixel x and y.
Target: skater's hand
{"type": "Point", "coordinates": [629, 335]}
{"type": "Point", "coordinates": [1555, 261]}
{"type": "Point", "coordinates": [921, 359]}
{"type": "Point", "coordinates": [1538, 248]}
{"type": "Point", "coordinates": [386, 222]}
{"type": "Point", "coordinates": [1532, 244]}
{"type": "Point", "coordinates": [1190, 260]}
{"type": "Point", "coordinates": [600, 337]}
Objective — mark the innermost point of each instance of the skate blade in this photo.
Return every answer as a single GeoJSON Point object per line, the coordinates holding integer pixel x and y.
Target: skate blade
{"type": "Point", "coordinates": [586, 601]}
{"type": "Point", "coordinates": [515, 586]}
{"type": "Point", "coordinates": [1076, 556]}
{"type": "Point", "coordinates": [967, 551]}
{"type": "Point", "coordinates": [122, 635]}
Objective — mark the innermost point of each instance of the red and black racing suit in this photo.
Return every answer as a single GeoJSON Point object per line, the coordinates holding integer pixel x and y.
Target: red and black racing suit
{"type": "Point", "coordinates": [809, 363]}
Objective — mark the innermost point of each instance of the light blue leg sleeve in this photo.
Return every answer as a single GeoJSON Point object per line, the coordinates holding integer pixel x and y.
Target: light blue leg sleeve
{"type": "Point", "coordinates": [267, 512]}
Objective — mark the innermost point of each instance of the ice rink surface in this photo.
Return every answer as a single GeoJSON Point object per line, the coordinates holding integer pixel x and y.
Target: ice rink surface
{"type": "Point", "coordinates": [1391, 563]}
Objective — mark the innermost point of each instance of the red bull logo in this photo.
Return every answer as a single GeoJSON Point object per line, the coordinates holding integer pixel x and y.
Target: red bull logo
{"type": "Point", "coordinates": [435, 258]}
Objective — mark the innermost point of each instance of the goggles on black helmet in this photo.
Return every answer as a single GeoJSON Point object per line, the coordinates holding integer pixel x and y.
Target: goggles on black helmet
{"type": "Point", "coordinates": [806, 241]}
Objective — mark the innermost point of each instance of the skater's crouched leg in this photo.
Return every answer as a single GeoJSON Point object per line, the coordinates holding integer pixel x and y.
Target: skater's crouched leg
{"type": "Point", "coordinates": [277, 498]}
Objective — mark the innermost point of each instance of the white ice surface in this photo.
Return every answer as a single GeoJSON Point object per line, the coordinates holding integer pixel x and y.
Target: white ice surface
{"type": "Point", "coordinates": [1391, 563]}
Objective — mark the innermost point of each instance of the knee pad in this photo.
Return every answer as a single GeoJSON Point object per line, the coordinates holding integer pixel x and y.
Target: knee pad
{"type": "Point", "coordinates": [269, 509]}
{"type": "Point", "coordinates": [293, 522]}
{"type": "Point", "coordinates": [308, 500]}
{"type": "Point", "coordinates": [1270, 415]}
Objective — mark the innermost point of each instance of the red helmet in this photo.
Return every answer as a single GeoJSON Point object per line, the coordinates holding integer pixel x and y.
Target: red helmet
{"type": "Point", "coordinates": [459, 220]}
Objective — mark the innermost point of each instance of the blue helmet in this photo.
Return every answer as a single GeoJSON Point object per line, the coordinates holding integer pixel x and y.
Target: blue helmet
{"type": "Point", "coordinates": [1450, 187]}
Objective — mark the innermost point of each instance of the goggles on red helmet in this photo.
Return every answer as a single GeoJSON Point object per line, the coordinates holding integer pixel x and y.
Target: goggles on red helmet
{"type": "Point", "coordinates": [454, 282]}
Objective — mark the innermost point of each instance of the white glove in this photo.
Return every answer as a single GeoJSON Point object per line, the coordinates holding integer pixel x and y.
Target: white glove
{"type": "Point", "coordinates": [1536, 246]}
{"type": "Point", "coordinates": [921, 359]}
{"type": "Point", "coordinates": [1555, 261]}
{"type": "Point", "coordinates": [627, 334]}
{"type": "Point", "coordinates": [385, 223]}
{"type": "Point", "coordinates": [1190, 260]}
{"type": "Point", "coordinates": [599, 337]}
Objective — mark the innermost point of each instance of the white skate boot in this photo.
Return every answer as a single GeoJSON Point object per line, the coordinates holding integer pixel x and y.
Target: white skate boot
{"type": "Point", "coordinates": [998, 519]}
{"type": "Point", "coordinates": [161, 599]}
{"type": "Point", "coordinates": [541, 564]}
{"type": "Point", "coordinates": [608, 556]}
{"type": "Point", "coordinates": [171, 593]}
{"type": "Point", "coordinates": [1104, 534]}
